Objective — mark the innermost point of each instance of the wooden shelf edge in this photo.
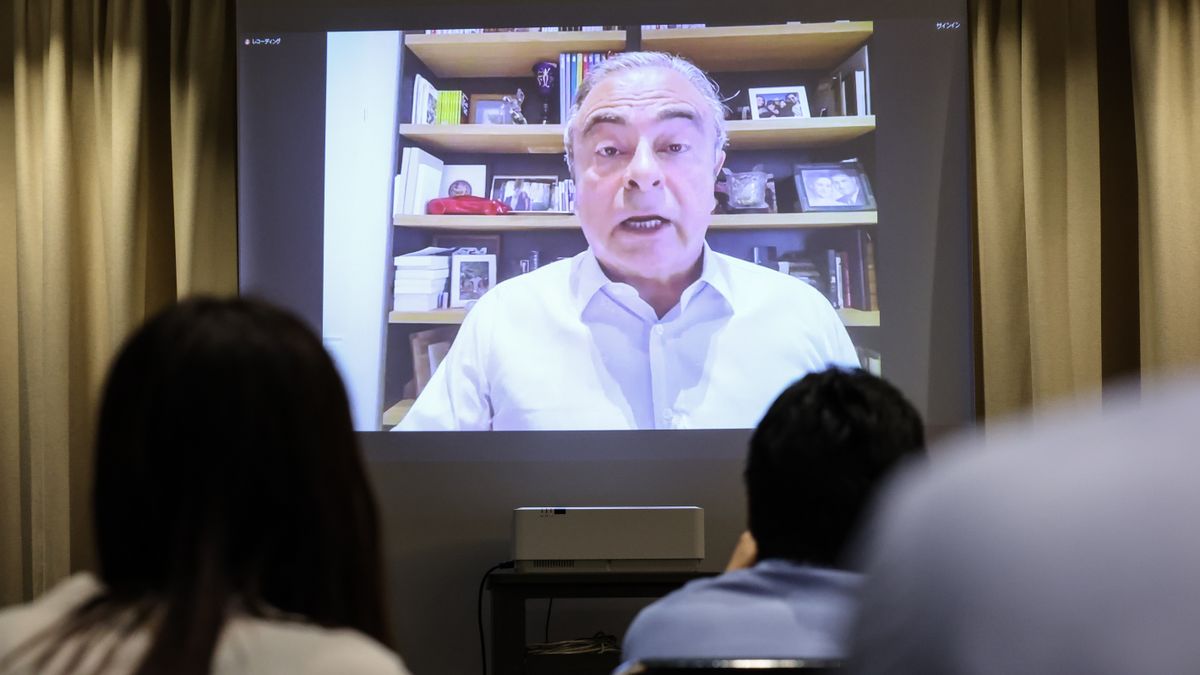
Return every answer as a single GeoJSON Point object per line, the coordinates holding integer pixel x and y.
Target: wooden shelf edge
{"type": "Point", "coordinates": [453, 315]}
{"type": "Point", "coordinates": [859, 318]}
{"type": "Point", "coordinates": [393, 415]}
{"type": "Point", "coordinates": [547, 138]}
{"type": "Point", "coordinates": [854, 318]}
{"type": "Point", "coordinates": [738, 221]}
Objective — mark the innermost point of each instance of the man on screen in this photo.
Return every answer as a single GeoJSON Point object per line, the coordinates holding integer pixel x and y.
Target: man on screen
{"type": "Point", "coordinates": [648, 328]}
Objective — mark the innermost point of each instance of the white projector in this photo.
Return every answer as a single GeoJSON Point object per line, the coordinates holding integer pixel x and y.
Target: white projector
{"type": "Point", "coordinates": [608, 538]}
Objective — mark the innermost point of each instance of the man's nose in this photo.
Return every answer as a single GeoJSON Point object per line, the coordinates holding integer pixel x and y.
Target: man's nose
{"type": "Point", "coordinates": [643, 171]}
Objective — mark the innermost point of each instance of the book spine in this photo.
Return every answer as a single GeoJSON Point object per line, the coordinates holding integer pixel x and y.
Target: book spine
{"type": "Point", "coordinates": [833, 279]}
{"type": "Point", "coordinates": [872, 289]}
{"type": "Point", "coordinates": [564, 105]}
{"type": "Point", "coordinates": [844, 278]}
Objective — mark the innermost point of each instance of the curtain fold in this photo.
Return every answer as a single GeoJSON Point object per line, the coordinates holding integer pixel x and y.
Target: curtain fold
{"type": "Point", "coordinates": [1166, 69]}
{"type": "Point", "coordinates": [124, 188]}
{"type": "Point", "coordinates": [1038, 200]}
{"type": "Point", "coordinates": [13, 548]}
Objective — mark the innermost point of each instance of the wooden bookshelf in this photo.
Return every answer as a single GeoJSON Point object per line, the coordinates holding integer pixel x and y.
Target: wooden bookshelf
{"type": "Point", "coordinates": [752, 221]}
{"type": "Point", "coordinates": [505, 54]}
{"type": "Point", "coordinates": [772, 134]}
{"type": "Point", "coordinates": [718, 49]}
{"type": "Point", "coordinates": [759, 48]}
{"type": "Point", "coordinates": [854, 318]}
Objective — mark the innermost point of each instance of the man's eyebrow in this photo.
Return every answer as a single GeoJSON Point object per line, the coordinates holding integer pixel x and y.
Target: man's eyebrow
{"type": "Point", "coordinates": [668, 113]}
{"type": "Point", "coordinates": [601, 118]}
{"type": "Point", "coordinates": [679, 112]}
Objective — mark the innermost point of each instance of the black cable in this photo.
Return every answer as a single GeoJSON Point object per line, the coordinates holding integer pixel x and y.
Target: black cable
{"type": "Point", "coordinates": [546, 630]}
{"type": "Point", "coordinates": [506, 565]}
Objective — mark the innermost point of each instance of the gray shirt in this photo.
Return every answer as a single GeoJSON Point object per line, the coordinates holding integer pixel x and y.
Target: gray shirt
{"type": "Point", "coordinates": [776, 609]}
{"type": "Point", "coordinates": [1070, 544]}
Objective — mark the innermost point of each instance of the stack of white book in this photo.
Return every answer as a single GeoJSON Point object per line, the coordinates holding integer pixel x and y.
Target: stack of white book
{"type": "Point", "coordinates": [420, 282]}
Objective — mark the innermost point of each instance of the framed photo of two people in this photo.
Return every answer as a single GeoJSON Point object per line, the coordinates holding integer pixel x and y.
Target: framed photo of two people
{"type": "Point", "coordinates": [841, 186]}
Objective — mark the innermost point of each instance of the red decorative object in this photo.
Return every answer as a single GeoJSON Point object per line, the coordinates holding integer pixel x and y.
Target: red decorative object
{"type": "Point", "coordinates": [466, 205]}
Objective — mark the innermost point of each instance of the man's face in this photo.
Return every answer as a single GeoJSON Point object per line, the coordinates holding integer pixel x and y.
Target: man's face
{"type": "Point", "coordinates": [823, 187]}
{"type": "Point", "coordinates": [645, 161]}
{"type": "Point", "coordinates": [844, 184]}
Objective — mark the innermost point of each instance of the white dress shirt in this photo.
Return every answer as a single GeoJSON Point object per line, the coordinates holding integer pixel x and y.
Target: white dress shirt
{"type": "Point", "coordinates": [564, 347]}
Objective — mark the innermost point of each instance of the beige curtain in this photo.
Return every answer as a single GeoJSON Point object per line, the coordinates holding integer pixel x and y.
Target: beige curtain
{"type": "Point", "coordinates": [124, 161]}
{"type": "Point", "coordinates": [1038, 192]}
{"type": "Point", "coordinates": [1166, 80]}
{"type": "Point", "coordinates": [12, 541]}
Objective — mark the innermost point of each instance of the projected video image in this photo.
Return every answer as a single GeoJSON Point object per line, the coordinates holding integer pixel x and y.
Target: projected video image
{"type": "Point", "coordinates": [586, 237]}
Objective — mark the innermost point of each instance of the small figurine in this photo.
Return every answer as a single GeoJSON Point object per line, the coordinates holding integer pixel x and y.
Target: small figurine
{"type": "Point", "coordinates": [514, 107]}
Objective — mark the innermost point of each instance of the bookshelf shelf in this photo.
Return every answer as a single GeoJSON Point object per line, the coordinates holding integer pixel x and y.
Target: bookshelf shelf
{"type": "Point", "coordinates": [859, 318]}
{"type": "Point", "coordinates": [756, 221]}
{"type": "Point", "coordinates": [776, 47]}
{"type": "Point", "coordinates": [854, 318]}
{"type": "Point", "coordinates": [798, 132]}
{"type": "Point", "coordinates": [505, 54]}
{"type": "Point", "coordinates": [725, 49]}
{"type": "Point", "coordinates": [542, 139]}
{"type": "Point", "coordinates": [393, 415]}
{"type": "Point", "coordinates": [773, 134]}
{"type": "Point", "coordinates": [433, 316]}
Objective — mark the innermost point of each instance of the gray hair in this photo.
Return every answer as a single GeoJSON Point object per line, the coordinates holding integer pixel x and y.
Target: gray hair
{"type": "Point", "coordinates": [634, 61]}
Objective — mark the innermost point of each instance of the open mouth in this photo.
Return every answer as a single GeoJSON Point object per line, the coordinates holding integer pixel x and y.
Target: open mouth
{"type": "Point", "coordinates": [644, 223]}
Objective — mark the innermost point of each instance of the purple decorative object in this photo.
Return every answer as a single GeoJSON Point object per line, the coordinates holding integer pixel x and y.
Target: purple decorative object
{"type": "Point", "coordinates": [546, 75]}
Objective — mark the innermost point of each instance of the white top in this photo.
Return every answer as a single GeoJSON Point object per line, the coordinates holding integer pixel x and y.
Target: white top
{"type": "Point", "coordinates": [564, 347]}
{"type": "Point", "coordinates": [246, 645]}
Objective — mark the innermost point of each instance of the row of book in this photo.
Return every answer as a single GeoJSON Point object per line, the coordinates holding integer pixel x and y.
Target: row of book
{"type": "Point", "coordinates": [431, 106]}
{"type": "Point", "coordinates": [420, 282]}
{"type": "Point", "coordinates": [424, 176]}
{"type": "Point", "coordinates": [573, 67]}
{"type": "Point", "coordinates": [847, 88]}
{"type": "Point", "coordinates": [847, 277]}
{"type": "Point", "coordinates": [452, 107]}
{"type": "Point", "coordinates": [563, 196]}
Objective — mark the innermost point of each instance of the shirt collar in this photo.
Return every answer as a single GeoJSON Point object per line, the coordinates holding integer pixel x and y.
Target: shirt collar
{"type": "Point", "coordinates": [588, 278]}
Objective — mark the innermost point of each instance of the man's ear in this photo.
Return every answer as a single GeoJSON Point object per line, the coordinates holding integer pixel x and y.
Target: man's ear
{"type": "Point", "coordinates": [719, 163]}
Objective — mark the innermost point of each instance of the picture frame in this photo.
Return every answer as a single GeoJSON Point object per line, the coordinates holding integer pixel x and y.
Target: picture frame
{"type": "Point", "coordinates": [838, 186]}
{"type": "Point", "coordinates": [778, 102]}
{"type": "Point", "coordinates": [489, 109]}
{"type": "Point", "coordinates": [483, 244]}
{"type": "Point", "coordinates": [470, 277]}
{"type": "Point", "coordinates": [526, 194]}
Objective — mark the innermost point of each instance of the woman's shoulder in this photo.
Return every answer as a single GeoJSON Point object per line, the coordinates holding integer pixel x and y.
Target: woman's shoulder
{"type": "Point", "coordinates": [252, 644]}
{"type": "Point", "coordinates": [19, 622]}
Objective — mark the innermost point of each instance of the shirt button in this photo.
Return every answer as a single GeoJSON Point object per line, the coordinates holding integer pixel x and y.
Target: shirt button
{"type": "Point", "coordinates": [658, 329]}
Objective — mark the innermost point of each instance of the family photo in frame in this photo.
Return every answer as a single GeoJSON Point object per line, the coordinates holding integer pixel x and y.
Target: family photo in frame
{"type": "Point", "coordinates": [771, 102]}
{"type": "Point", "coordinates": [525, 193]}
{"type": "Point", "coordinates": [839, 186]}
{"type": "Point", "coordinates": [489, 109]}
{"type": "Point", "coordinates": [470, 277]}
